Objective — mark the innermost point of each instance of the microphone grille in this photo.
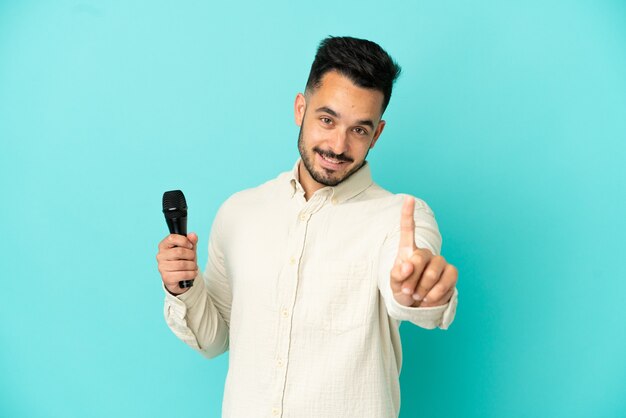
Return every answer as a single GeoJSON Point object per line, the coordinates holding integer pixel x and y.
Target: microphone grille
{"type": "Point", "coordinates": [174, 204]}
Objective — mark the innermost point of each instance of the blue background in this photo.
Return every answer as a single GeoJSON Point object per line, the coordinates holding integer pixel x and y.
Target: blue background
{"type": "Point", "coordinates": [509, 119]}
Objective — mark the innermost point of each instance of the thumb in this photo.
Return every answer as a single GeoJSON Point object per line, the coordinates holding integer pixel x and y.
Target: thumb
{"type": "Point", "coordinates": [193, 238]}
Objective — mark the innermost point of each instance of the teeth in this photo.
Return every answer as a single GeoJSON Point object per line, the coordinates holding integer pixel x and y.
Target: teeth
{"type": "Point", "coordinates": [331, 160]}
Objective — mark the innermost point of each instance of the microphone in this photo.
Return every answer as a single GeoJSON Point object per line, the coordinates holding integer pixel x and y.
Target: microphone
{"type": "Point", "coordinates": [175, 211]}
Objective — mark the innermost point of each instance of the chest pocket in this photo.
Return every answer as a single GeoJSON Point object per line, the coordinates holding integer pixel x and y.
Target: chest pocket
{"type": "Point", "coordinates": [339, 295]}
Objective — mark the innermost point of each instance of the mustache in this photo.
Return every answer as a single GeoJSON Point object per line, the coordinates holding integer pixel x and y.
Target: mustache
{"type": "Point", "coordinates": [330, 154]}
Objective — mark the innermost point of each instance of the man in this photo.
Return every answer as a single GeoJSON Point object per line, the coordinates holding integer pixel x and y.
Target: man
{"type": "Point", "coordinates": [310, 274]}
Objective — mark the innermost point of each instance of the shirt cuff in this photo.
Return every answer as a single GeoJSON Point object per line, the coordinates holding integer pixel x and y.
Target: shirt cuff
{"type": "Point", "coordinates": [175, 311]}
{"type": "Point", "coordinates": [427, 317]}
{"type": "Point", "coordinates": [179, 304]}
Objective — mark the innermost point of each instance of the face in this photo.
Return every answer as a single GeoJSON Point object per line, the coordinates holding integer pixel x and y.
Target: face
{"type": "Point", "coordinates": [339, 123]}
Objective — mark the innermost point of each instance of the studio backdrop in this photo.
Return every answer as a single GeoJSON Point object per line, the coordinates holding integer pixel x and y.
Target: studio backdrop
{"type": "Point", "coordinates": [509, 120]}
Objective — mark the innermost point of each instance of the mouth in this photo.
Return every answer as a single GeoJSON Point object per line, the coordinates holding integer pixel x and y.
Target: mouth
{"type": "Point", "coordinates": [329, 162]}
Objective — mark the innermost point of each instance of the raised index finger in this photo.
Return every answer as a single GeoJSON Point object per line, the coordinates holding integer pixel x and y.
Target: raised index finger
{"type": "Point", "coordinates": [407, 228]}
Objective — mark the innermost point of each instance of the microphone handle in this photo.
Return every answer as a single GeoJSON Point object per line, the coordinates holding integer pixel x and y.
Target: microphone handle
{"type": "Point", "coordinates": [179, 226]}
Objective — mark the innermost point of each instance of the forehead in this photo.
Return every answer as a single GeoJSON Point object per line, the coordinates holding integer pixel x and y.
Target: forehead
{"type": "Point", "coordinates": [339, 93]}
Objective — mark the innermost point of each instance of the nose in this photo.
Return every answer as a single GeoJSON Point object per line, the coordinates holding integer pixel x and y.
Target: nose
{"type": "Point", "coordinates": [338, 142]}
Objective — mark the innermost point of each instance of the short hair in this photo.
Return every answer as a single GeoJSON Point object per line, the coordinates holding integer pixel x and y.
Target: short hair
{"type": "Point", "coordinates": [364, 62]}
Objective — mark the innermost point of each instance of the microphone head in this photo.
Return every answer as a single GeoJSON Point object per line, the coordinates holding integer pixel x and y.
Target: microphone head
{"type": "Point", "coordinates": [174, 204]}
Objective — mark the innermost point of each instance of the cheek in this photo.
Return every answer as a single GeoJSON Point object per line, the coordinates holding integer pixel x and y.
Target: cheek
{"type": "Point", "coordinates": [360, 148]}
{"type": "Point", "coordinates": [313, 134]}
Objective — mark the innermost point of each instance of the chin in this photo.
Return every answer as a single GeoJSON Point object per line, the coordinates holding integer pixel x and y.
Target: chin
{"type": "Point", "coordinates": [331, 178]}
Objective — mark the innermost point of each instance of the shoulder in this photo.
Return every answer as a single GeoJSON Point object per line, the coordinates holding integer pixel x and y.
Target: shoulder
{"type": "Point", "coordinates": [387, 215]}
{"type": "Point", "coordinates": [254, 198]}
{"type": "Point", "coordinates": [389, 204]}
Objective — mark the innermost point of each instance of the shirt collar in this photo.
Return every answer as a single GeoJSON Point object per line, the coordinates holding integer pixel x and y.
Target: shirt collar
{"type": "Point", "coordinates": [347, 189]}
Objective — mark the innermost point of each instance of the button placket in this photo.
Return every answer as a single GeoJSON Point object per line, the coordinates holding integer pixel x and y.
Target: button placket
{"type": "Point", "coordinates": [288, 298]}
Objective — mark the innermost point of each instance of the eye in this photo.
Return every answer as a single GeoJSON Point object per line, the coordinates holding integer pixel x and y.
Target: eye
{"type": "Point", "coordinates": [325, 120]}
{"type": "Point", "coordinates": [360, 131]}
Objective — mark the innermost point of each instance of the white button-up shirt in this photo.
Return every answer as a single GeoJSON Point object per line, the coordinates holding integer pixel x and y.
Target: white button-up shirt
{"type": "Point", "coordinates": [299, 292]}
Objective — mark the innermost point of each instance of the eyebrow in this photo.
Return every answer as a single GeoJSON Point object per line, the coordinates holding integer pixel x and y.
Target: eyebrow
{"type": "Point", "coordinates": [331, 112]}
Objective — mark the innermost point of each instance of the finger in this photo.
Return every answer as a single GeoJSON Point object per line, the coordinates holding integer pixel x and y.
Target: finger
{"type": "Point", "coordinates": [193, 238]}
{"type": "Point", "coordinates": [175, 240]}
{"type": "Point", "coordinates": [178, 265]}
{"type": "Point", "coordinates": [172, 278]}
{"type": "Point", "coordinates": [446, 283]}
{"type": "Point", "coordinates": [419, 260]}
{"type": "Point", "coordinates": [399, 273]}
{"type": "Point", "coordinates": [176, 253]}
{"type": "Point", "coordinates": [430, 277]}
{"type": "Point", "coordinates": [407, 228]}
{"type": "Point", "coordinates": [441, 301]}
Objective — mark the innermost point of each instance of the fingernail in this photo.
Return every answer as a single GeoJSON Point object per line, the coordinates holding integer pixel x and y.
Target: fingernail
{"type": "Point", "coordinates": [406, 290]}
{"type": "Point", "coordinates": [417, 297]}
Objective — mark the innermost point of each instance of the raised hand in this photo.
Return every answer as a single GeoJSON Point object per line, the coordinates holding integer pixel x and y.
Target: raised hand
{"type": "Point", "coordinates": [418, 277]}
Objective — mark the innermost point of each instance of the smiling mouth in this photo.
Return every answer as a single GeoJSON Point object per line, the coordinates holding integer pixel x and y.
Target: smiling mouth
{"type": "Point", "coordinates": [331, 160]}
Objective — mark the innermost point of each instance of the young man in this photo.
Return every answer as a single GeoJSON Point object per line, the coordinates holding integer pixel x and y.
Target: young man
{"type": "Point", "coordinates": [310, 274]}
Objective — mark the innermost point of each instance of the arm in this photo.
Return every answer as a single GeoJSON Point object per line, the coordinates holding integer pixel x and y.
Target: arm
{"type": "Point", "coordinates": [200, 317]}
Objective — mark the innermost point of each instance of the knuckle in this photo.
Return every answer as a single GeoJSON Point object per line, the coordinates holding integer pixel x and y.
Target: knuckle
{"type": "Point", "coordinates": [453, 270]}
{"type": "Point", "coordinates": [430, 276]}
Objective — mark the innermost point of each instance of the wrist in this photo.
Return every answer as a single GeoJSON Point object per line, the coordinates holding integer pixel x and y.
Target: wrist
{"type": "Point", "coordinates": [174, 294]}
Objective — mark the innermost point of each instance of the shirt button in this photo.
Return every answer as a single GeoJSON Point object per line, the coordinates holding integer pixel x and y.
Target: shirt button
{"type": "Point", "coordinates": [285, 313]}
{"type": "Point", "coordinates": [333, 200]}
{"type": "Point", "coordinates": [292, 260]}
{"type": "Point", "coordinates": [303, 217]}
{"type": "Point", "coordinates": [279, 363]}
{"type": "Point", "coordinates": [275, 411]}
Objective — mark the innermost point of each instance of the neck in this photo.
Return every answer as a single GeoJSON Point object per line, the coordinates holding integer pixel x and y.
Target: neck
{"type": "Point", "coordinates": [309, 184]}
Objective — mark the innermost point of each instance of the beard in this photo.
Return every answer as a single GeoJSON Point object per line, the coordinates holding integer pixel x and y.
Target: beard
{"type": "Point", "coordinates": [324, 176]}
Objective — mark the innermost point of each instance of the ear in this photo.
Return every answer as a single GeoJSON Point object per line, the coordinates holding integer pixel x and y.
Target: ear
{"type": "Point", "coordinates": [298, 108]}
{"type": "Point", "coordinates": [379, 130]}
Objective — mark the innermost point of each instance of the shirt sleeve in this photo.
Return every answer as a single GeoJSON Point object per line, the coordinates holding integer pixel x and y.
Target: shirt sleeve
{"type": "Point", "coordinates": [200, 317]}
{"type": "Point", "coordinates": [426, 236]}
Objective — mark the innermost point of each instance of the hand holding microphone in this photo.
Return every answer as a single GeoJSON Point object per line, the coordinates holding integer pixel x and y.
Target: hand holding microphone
{"type": "Point", "coordinates": [177, 256]}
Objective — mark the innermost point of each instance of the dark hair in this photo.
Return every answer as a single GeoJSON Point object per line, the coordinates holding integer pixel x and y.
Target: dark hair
{"type": "Point", "coordinates": [362, 61]}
